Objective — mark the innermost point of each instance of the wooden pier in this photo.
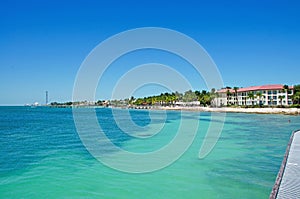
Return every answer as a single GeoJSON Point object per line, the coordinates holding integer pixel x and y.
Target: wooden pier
{"type": "Point", "coordinates": [287, 183]}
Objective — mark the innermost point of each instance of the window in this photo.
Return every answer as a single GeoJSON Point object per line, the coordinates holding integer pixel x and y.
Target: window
{"type": "Point", "coordinates": [269, 92]}
{"type": "Point", "coordinates": [274, 92]}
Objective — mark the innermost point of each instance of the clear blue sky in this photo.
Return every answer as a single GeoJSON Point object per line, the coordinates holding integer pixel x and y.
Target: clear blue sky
{"type": "Point", "coordinates": [43, 43]}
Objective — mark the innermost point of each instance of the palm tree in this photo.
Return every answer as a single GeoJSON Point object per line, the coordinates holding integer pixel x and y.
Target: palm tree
{"type": "Point", "coordinates": [213, 95]}
{"type": "Point", "coordinates": [296, 98]}
{"type": "Point", "coordinates": [132, 99]}
{"type": "Point", "coordinates": [245, 99]}
{"type": "Point", "coordinates": [251, 97]}
{"type": "Point", "coordinates": [228, 94]}
{"type": "Point", "coordinates": [167, 98]}
{"type": "Point", "coordinates": [296, 94]}
{"type": "Point", "coordinates": [259, 95]}
{"type": "Point", "coordinates": [281, 97]}
{"type": "Point", "coordinates": [285, 88]}
{"type": "Point", "coordinates": [199, 97]}
{"type": "Point", "coordinates": [154, 100]}
{"type": "Point", "coordinates": [173, 98]}
{"type": "Point", "coordinates": [236, 97]}
{"type": "Point", "coordinates": [162, 98]}
{"type": "Point", "coordinates": [189, 96]}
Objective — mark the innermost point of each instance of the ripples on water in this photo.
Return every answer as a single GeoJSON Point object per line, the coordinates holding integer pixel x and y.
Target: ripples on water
{"type": "Point", "coordinates": [41, 155]}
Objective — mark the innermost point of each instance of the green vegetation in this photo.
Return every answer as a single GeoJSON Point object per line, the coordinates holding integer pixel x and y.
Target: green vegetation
{"type": "Point", "coordinates": [236, 95]}
{"type": "Point", "coordinates": [296, 96]}
{"type": "Point", "coordinates": [61, 104]}
{"type": "Point", "coordinates": [169, 99]}
{"type": "Point", "coordinates": [281, 97]}
{"type": "Point", "coordinates": [259, 95]}
{"type": "Point", "coordinates": [228, 95]}
{"type": "Point", "coordinates": [251, 96]}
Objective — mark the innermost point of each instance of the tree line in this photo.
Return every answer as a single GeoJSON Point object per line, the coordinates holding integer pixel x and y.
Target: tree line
{"type": "Point", "coordinates": [168, 99]}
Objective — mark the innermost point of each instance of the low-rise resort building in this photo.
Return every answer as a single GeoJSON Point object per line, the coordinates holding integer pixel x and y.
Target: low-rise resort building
{"type": "Point", "coordinates": [266, 95]}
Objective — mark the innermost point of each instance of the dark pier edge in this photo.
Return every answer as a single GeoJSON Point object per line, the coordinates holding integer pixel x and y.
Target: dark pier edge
{"type": "Point", "coordinates": [276, 186]}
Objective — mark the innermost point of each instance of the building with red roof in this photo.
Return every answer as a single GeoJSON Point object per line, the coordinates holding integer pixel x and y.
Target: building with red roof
{"type": "Point", "coordinates": [265, 95]}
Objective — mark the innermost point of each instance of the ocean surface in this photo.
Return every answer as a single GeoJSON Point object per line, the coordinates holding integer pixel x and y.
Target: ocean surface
{"type": "Point", "coordinates": [42, 156]}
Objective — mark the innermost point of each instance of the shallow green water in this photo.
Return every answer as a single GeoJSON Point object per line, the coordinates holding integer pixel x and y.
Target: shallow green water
{"type": "Point", "coordinates": [42, 156]}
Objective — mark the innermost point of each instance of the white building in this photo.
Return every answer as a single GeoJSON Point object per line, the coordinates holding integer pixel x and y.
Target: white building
{"type": "Point", "coordinates": [267, 95]}
{"type": "Point", "coordinates": [193, 103]}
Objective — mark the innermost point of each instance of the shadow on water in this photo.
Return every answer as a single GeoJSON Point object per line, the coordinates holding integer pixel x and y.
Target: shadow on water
{"type": "Point", "coordinates": [140, 118]}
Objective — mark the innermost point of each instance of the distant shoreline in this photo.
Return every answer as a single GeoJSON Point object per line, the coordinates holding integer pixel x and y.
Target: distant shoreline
{"type": "Point", "coordinates": [266, 110]}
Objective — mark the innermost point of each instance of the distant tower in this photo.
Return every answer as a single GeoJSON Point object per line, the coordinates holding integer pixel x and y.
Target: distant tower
{"type": "Point", "coordinates": [46, 97]}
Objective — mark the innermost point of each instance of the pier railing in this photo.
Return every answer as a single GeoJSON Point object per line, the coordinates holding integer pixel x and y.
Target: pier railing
{"type": "Point", "coordinates": [276, 186]}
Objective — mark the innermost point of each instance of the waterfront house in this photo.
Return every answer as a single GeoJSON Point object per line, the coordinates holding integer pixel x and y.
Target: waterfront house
{"type": "Point", "coordinates": [266, 95]}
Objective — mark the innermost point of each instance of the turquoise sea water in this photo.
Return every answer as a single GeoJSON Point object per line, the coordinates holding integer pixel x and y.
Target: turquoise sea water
{"type": "Point", "coordinates": [42, 156]}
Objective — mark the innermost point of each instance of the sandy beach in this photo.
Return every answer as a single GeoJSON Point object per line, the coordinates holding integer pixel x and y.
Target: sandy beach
{"type": "Point", "coordinates": [288, 111]}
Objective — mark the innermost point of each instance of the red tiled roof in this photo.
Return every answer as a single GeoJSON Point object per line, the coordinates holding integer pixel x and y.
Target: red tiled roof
{"type": "Point", "coordinates": [255, 88]}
